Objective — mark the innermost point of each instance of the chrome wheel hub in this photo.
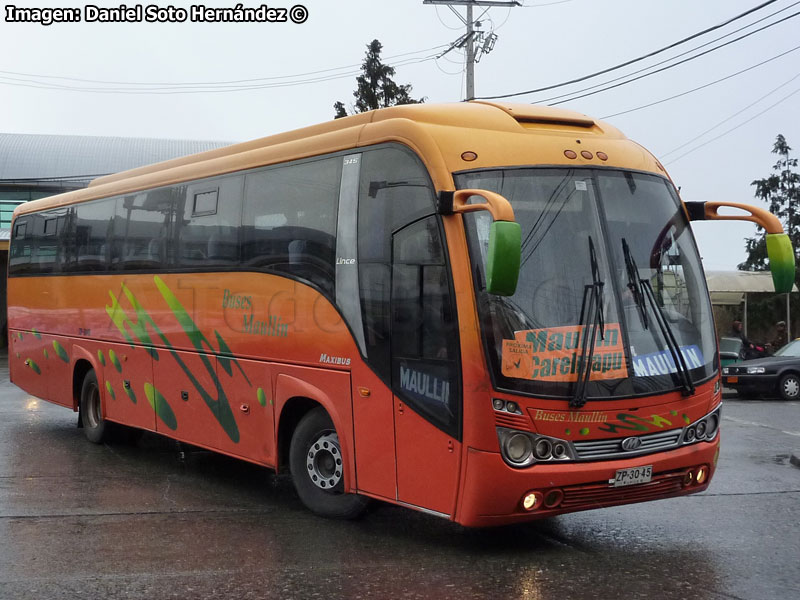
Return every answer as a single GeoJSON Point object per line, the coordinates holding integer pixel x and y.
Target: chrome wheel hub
{"type": "Point", "coordinates": [791, 387]}
{"type": "Point", "coordinates": [324, 461]}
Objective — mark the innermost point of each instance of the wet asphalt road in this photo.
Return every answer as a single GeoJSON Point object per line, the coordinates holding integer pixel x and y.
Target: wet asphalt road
{"type": "Point", "coordinates": [154, 520]}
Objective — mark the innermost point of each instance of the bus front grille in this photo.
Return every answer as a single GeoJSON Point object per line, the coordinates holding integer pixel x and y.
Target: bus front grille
{"type": "Point", "coordinates": [612, 448]}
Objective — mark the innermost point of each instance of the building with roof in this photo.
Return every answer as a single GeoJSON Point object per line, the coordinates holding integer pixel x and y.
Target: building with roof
{"type": "Point", "coordinates": [37, 166]}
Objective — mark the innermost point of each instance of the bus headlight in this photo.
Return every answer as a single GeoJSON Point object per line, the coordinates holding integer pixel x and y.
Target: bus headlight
{"type": "Point", "coordinates": [703, 430]}
{"type": "Point", "coordinates": [522, 449]}
{"type": "Point", "coordinates": [518, 448]}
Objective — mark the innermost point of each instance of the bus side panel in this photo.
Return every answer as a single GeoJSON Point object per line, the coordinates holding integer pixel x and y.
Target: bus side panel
{"type": "Point", "coordinates": [330, 389]}
{"type": "Point", "coordinates": [185, 395]}
{"type": "Point", "coordinates": [373, 425]}
{"type": "Point", "coordinates": [124, 371]}
{"type": "Point", "coordinates": [249, 391]}
{"type": "Point", "coordinates": [428, 462]}
{"type": "Point", "coordinates": [30, 363]}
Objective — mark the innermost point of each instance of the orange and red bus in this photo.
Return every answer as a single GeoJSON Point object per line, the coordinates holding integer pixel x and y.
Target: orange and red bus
{"type": "Point", "coordinates": [488, 312]}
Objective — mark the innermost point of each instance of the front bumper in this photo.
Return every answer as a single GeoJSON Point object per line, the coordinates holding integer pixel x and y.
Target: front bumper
{"type": "Point", "coordinates": [493, 491]}
{"type": "Point", "coordinates": [765, 383]}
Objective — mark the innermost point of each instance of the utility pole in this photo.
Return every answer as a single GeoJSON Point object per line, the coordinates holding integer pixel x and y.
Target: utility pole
{"type": "Point", "coordinates": [473, 37]}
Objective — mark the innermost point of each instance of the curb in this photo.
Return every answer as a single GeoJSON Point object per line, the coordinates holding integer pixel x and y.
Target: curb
{"type": "Point", "coordinates": [795, 458]}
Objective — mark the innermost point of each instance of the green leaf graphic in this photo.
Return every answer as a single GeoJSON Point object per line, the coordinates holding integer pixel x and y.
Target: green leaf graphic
{"type": "Point", "coordinates": [160, 406]}
{"type": "Point", "coordinates": [112, 356]}
{"type": "Point", "coordinates": [130, 393]}
{"type": "Point", "coordinates": [62, 354]}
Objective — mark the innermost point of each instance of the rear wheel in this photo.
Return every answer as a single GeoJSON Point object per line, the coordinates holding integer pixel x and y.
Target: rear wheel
{"type": "Point", "coordinates": [94, 426]}
{"type": "Point", "coordinates": [315, 459]}
{"type": "Point", "coordinates": [789, 387]}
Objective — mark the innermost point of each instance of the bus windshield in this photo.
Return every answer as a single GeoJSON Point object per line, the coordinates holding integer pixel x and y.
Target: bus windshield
{"type": "Point", "coordinates": [616, 236]}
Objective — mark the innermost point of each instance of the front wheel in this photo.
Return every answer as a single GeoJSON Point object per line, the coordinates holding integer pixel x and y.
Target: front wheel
{"type": "Point", "coordinates": [789, 387]}
{"type": "Point", "coordinates": [94, 425]}
{"type": "Point", "coordinates": [315, 459]}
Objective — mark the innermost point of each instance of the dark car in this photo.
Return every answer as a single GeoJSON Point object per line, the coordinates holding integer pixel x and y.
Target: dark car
{"type": "Point", "coordinates": [778, 374]}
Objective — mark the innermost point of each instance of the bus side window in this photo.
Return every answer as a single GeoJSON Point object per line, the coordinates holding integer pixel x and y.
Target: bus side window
{"type": "Point", "coordinates": [48, 228]}
{"type": "Point", "coordinates": [93, 225]}
{"type": "Point", "coordinates": [143, 229]}
{"type": "Point", "coordinates": [424, 326]}
{"type": "Point", "coordinates": [19, 260]}
{"type": "Point", "coordinates": [289, 220]}
{"type": "Point", "coordinates": [208, 224]}
{"type": "Point", "coordinates": [394, 190]}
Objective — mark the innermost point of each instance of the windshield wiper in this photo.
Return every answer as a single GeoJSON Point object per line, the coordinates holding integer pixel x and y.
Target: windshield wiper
{"type": "Point", "coordinates": [634, 285]}
{"type": "Point", "coordinates": [640, 288]}
{"type": "Point", "coordinates": [672, 343]}
{"type": "Point", "coordinates": [594, 291]}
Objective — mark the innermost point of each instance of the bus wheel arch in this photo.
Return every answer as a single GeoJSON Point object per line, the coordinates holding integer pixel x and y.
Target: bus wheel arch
{"type": "Point", "coordinates": [79, 370]}
{"type": "Point", "coordinates": [293, 411]}
{"type": "Point", "coordinates": [318, 467]}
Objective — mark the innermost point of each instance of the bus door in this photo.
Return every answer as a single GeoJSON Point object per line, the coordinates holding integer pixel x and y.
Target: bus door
{"type": "Point", "coordinates": [425, 369]}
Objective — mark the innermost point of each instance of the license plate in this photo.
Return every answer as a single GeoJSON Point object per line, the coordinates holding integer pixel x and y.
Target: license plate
{"type": "Point", "coordinates": [732, 379]}
{"type": "Point", "coordinates": [632, 476]}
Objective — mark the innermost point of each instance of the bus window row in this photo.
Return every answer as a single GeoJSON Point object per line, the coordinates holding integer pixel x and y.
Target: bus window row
{"type": "Point", "coordinates": [281, 219]}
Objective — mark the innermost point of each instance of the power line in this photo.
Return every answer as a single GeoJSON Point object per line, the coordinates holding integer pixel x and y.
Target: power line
{"type": "Point", "coordinates": [680, 62]}
{"type": "Point", "coordinates": [666, 60]}
{"type": "Point", "coordinates": [732, 129]}
{"type": "Point", "coordinates": [547, 4]}
{"type": "Point", "coordinates": [634, 60]}
{"type": "Point", "coordinates": [214, 83]}
{"type": "Point", "coordinates": [701, 87]}
{"type": "Point", "coordinates": [18, 82]}
{"type": "Point", "coordinates": [736, 114]}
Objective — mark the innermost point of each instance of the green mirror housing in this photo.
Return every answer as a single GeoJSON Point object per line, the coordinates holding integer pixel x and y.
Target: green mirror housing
{"type": "Point", "coordinates": [781, 261]}
{"type": "Point", "coordinates": [503, 260]}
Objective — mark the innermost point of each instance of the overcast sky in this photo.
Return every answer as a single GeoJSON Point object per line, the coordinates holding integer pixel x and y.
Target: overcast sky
{"type": "Point", "coordinates": [543, 43]}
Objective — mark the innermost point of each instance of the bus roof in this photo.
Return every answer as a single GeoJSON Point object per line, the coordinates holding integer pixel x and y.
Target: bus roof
{"type": "Point", "coordinates": [500, 134]}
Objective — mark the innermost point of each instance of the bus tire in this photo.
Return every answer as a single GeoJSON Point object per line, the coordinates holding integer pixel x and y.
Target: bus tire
{"type": "Point", "coordinates": [315, 460]}
{"type": "Point", "coordinates": [94, 426]}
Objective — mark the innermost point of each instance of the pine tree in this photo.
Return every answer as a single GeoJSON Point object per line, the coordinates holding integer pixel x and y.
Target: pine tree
{"type": "Point", "coordinates": [375, 87]}
{"type": "Point", "coordinates": [781, 190]}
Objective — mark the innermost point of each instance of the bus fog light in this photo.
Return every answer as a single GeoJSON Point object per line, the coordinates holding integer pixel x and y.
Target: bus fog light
{"type": "Point", "coordinates": [553, 498]}
{"type": "Point", "coordinates": [518, 447]}
{"type": "Point", "coordinates": [702, 475]}
{"type": "Point", "coordinates": [531, 501]}
{"type": "Point", "coordinates": [544, 449]}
